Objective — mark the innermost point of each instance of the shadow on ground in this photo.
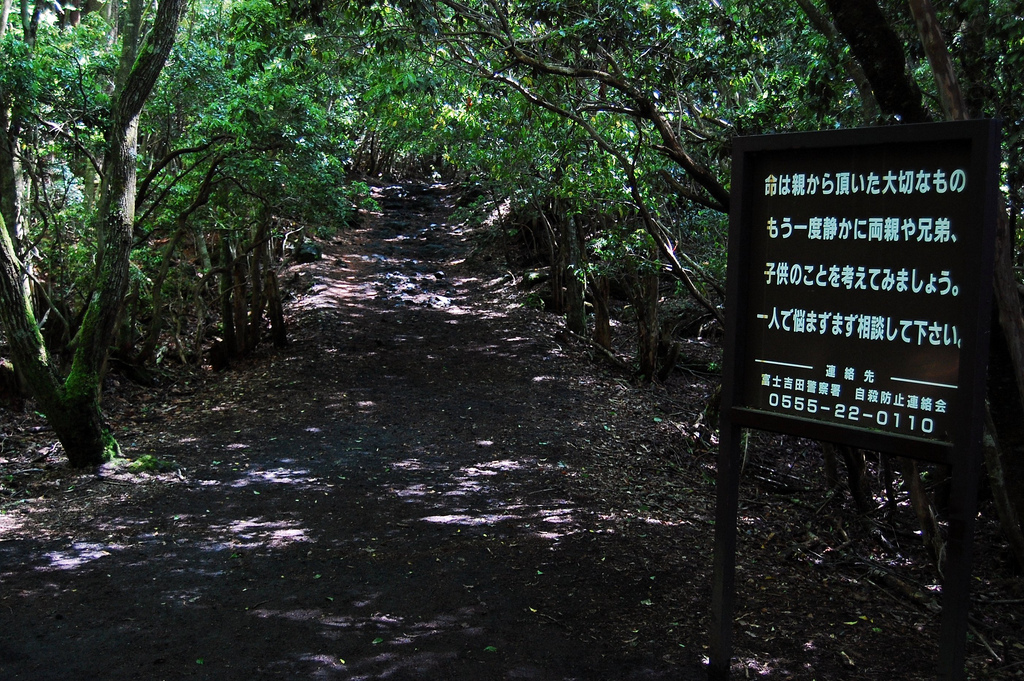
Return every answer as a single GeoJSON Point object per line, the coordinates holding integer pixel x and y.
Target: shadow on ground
{"type": "Point", "coordinates": [388, 499]}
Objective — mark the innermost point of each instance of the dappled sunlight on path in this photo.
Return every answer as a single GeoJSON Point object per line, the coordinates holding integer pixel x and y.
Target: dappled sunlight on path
{"type": "Point", "coordinates": [387, 500]}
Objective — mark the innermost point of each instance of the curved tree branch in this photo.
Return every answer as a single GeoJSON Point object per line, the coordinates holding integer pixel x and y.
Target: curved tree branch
{"type": "Point", "coordinates": [879, 51]}
{"type": "Point", "coordinates": [170, 158]}
{"type": "Point", "coordinates": [498, 27]}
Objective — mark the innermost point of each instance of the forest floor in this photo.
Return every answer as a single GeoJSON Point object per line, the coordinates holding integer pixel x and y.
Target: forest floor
{"type": "Point", "coordinates": [433, 482]}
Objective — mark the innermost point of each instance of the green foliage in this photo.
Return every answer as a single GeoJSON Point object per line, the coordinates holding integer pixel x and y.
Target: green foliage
{"type": "Point", "coordinates": [283, 105]}
{"type": "Point", "coordinates": [147, 463]}
{"type": "Point", "coordinates": [111, 448]}
{"type": "Point", "coordinates": [629, 247]}
{"type": "Point", "coordinates": [19, 73]}
{"type": "Point", "coordinates": [533, 300]}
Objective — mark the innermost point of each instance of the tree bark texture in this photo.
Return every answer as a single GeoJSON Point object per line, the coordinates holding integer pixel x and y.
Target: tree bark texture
{"type": "Point", "coordinates": [5, 13]}
{"type": "Point", "coordinates": [19, 322]}
{"type": "Point", "coordinates": [77, 422]}
{"type": "Point", "coordinates": [275, 308]}
{"type": "Point", "coordinates": [11, 180]}
{"type": "Point", "coordinates": [938, 58]}
{"type": "Point", "coordinates": [11, 183]}
{"type": "Point", "coordinates": [831, 465]}
{"type": "Point", "coordinates": [857, 472]}
{"type": "Point", "coordinates": [230, 343]}
{"type": "Point", "coordinates": [256, 300]}
{"type": "Point", "coordinates": [239, 307]}
{"type": "Point", "coordinates": [931, 534]}
{"type": "Point", "coordinates": [880, 52]}
{"type": "Point", "coordinates": [559, 264]}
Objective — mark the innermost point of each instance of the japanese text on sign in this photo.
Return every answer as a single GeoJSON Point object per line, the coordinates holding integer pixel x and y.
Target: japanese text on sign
{"type": "Point", "coordinates": [889, 229]}
{"type": "Point", "coordinates": [846, 183]}
{"type": "Point", "coordinates": [857, 313]}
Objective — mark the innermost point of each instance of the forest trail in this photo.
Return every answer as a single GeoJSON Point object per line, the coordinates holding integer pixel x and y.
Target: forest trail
{"type": "Point", "coordinates": [432, 482]}
{"type": "Point", "coordinates": [388, 498]}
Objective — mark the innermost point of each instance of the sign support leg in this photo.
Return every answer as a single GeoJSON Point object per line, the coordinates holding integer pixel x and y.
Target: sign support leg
{"type": "Point", "coordinates": [724, 581]}
{"type": "Point", "coordinates": [956, 585]}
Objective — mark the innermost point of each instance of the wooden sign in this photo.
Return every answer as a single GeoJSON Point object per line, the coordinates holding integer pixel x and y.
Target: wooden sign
{"type": "Point", "coordinates": [859, 289]}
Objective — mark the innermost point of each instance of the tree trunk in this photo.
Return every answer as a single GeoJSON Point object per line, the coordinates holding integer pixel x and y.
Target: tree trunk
{"type": "Point", "coordinates": [23, 334]}
{"type": "Point", "coordinates": [938, 58]}
{"type": "Point", "coordinates": [575, 278]}
{"type": "Point", "coordinates": [857, 472]}
{"type": "Point", "coordinates": [126, 328]}
{"type": "Point", "coordinates": [275, 309]}
{"type": "Point", "coordinates": [5, 13]}
{"type": "Point", "coordinates": [559, 266]}
{"type": "Point", "coordinates": [831, 464]}
{"type": "Point", "coordinates": [156, 321]}
{"type": "Point", "coordinates": [12, 181]}
{"type": "Point", "coordinates": [888, 481]}
{"type": "Point", "coordinates": [260, 263]}
{"type": "Point", "coordinates": [226, 287]}
{"type": "Point", "coordinates": [12, 184]}
{"type": "Point", "coordinates": [602, 315]}
{"type": "Point", "coordinates": [645, 302]}
{"type": "Point", "coordinates": [72, 407]}
{"type": "Point", "coordinates": [856, 72]}
{"type": "Point", "coordinates": [239, 306]}
{"type": "Point", "coordinates": [82, 432]}
{"type": "Point", "coordinates": [931, 535]}
{"type": "Point", "coordinates": [880, 53]}
{"type": "Point", "coordinates": [1006, 463]}
{"type": "Point", "coordinates": [257, 304]}
{"type": "Point", "coordinates": [199, 239]}
{"type": "Point", "coordinates": [1002, 482]}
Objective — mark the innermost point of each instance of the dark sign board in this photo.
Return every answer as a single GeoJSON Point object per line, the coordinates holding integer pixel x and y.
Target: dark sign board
{"type": "Point", "coordinates": [860, 270]}
{"type": "Point", "coordinates": [862, 273]}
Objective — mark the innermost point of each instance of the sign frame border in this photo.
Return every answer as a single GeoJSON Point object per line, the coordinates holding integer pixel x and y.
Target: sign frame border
{"type": "Point", "coordinates": [963, 454]}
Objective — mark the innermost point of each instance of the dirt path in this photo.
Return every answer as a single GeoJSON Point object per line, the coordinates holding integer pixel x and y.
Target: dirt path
{"type": "Point", "coordinates": [432, 483]}
{"type": "Point", "coordinates": [387, 499]}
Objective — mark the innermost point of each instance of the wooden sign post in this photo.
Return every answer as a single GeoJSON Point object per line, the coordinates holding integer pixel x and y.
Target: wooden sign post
{"type": "Point", "coordinates": [859, 292]}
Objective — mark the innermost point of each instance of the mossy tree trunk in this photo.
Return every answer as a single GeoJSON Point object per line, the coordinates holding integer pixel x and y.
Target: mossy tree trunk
{"type": "Point", "coordinates": [72, 404]}
{"type": "Point", "coordinates": [13, 181]}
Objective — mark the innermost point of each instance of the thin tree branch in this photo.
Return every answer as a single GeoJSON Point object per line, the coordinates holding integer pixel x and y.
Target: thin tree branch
{"type": "Point", "coordinates": [61, 132]}
{"type": "Point", "coordinates": [169, 158]}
